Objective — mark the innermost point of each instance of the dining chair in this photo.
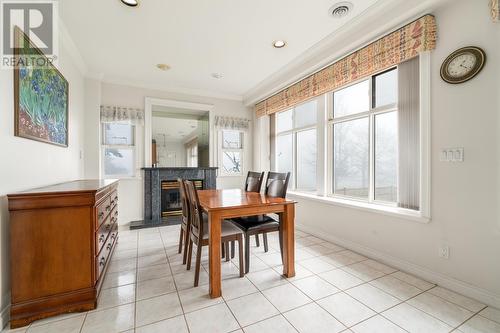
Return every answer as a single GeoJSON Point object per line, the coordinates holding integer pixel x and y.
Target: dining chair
{"type": "Point", "coordinates": [276, 186]}
{"type": "Point", "coordinates": [185, 220]}
{"type": "Point", "coordinates": [198, 233]}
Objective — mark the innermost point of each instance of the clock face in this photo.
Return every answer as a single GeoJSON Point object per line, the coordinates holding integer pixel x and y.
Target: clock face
{"type": "Point", "coordinates": [463, 64]}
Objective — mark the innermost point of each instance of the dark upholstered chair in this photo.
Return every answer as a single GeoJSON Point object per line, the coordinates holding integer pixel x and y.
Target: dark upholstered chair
{"type": "Point", "coordinates": [198, 233]}
{"type": "Point", "coordinates": [276, 186]}
{"type": "Point", "coordinates": [185, 222]}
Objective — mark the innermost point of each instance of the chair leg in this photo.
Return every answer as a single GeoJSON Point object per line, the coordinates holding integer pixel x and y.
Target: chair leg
{"type": "Point", "coordinates": [190, 254]}
{"type": "Point", "coordinates": [186, 243]}
{"type": "Point", "coordinates": [247, 253]}
{"type": "Point", "coordinates": [228, 254]}
{"type": "Point", "coordinates": [281, 243]}
{"type": "Point", "coordinates": [197, 266]}
{"type": "Point", "coordinates": [180, 240]}
{"type": "Point", "coordinates": [257, 241]}
{"type": "Point", "coordinates": [232, 250]}
{"type": "Point", "coordinates": [240, 255]}
{"type": "Point", "coordinates": [223, 250]}
{"type": "Point", "coordinates": [266, 245]}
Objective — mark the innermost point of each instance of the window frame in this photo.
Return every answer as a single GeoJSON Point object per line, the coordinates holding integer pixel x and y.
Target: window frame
{"type": "Point", "coordinates": [371, 115]}
{"type": "Point", "coordinates": [132, 147]}
{"type": "Point", "coordinates": [293, 131]}
{"type": "Point", "coordinates": [221, 151]}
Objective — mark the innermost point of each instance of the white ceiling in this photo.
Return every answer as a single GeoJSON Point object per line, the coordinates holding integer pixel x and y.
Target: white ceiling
{"type": "Point", "coordinates": [197, 38]}
{"type": "Point", "coordinates": [175, 130]}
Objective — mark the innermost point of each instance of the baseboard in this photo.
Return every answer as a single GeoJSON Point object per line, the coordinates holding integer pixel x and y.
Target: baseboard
{"type": "Point", "coordinates": [442, 280]}
{"type": "Point", "coordinates": [4, 316]}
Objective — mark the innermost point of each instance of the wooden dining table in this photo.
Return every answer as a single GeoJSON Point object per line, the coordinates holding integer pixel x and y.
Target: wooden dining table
{"type": "Point", "coordinates": [231, 203]}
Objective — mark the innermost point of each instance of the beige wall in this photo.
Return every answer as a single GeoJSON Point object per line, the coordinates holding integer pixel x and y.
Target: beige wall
{"type": "Point", "coordinates": [27, 164]}
{"type": "Point", "coordinates": [465, 196]}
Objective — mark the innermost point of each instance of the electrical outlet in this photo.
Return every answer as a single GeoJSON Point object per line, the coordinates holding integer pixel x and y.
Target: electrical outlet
{"type": "Point", "coordinates": [444, 252]}
{"type": "Point", "coordinates": [451, 155]}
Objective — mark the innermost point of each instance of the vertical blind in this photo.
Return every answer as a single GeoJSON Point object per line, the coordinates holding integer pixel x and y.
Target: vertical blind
{"type": "Point", "coordinates": [409, 134]}
{"type": "Point", "coordinates": [403, 44]}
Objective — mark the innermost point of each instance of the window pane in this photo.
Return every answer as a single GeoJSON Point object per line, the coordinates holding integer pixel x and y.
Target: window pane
{"type": "Point", "coordinates": [284, 153]}
{"type": "Point", "coordinates": [231, 162]}
{"type": "Point", "coordinates": [306, 114]}
{"type": "Point", "coordinates": [386, 156]}
{"type": "Point", "coordinates": [386, 88]}
{"type": "Point", "coordinates": [118, 134]}
{"type": "Point", "coordinates": [118, 162]}
{"type": "Point", "coordinates": [350, 100]}
{"type": "Point", "coordinates": [284, 121]}
{"type": "Point", "coordinates": [232, 139]}
{"type": "Point", "coordinates": [306, 160]}
{"type": "Point", "coordinates": [351, 158]}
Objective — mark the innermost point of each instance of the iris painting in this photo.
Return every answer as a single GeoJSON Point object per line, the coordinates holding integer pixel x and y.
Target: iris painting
{"type": "Point", "coordinates": [41, 99]}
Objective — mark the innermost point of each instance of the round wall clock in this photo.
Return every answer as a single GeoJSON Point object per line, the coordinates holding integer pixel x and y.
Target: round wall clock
{"type": "Point", "coordinates": [463, 64]}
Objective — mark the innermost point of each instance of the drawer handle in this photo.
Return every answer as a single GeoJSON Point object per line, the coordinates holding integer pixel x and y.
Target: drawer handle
{"type": "Point", "coordinates": [101, 238]}
{"type": "Point", "coordinates": [116, 198]}
{"type": "Point", "coordinates": [108, 226]}
{"type": "Point", "coordinates": [116, 213]}
{"type": "Point", "coordinates": [108, 207]}
{"type": "Point", "coordinates": [112, 202]}
{"type": "Point", "coordinates": [102, 261]}
{"type": "Point", "coordinates": [101, 214]}
{"type": "Point", "coordinates": [113, 236]}
{"type": "Point", "coordinates": [108, 247]}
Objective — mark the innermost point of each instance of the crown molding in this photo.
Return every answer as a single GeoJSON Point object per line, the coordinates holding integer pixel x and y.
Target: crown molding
{"type": "Point", "coordinates": [360, 31]}
{"type": "Point", "coordinates": [171, 88]}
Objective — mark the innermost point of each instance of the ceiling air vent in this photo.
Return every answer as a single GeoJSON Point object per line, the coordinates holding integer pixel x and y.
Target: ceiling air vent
{"type": "Point", "coordinates": [340, 9]}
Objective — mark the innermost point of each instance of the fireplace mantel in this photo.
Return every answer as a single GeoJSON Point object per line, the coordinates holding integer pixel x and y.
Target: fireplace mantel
{"type": "Point", "coordinates": [152, 189]}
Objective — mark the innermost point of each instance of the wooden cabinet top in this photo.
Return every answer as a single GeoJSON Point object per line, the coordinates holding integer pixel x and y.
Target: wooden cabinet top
{"type": "Point", "coordinates": [89, 185]}
{"type": "Point", "coordinates": [74, 193]}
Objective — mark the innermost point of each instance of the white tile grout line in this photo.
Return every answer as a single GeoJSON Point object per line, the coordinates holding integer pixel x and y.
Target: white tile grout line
{"type": "Point", "coordinates": [164, 246]}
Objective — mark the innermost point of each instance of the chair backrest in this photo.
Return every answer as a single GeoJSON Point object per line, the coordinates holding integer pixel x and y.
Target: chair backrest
{"type": "Point", "coordinates": [253, 182]}
{"type": "Point", "coordinates": [184, 201]}
{"type": "Point", "coordinates": [194, 209]}
{"type": "Point", "coordinates": [277, 184]}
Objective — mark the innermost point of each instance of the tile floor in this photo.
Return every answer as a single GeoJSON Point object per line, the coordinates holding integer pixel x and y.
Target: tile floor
{"type": "Point", "coordinates": [147, 289]}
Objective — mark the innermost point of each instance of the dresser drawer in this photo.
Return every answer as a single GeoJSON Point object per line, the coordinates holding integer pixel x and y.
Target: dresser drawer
{"type": "Point", "coordinates": [114, 199]}
{"type": "Point", "coordinates": [103, 209]}
{"type": "Point", "coordinates": [103, 257]}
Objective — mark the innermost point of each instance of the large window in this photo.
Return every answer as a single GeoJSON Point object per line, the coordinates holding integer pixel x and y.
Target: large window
{"type": "Point", "coordinates": [118, 149]}
{"type": "Point", "coordinates": [231, 152]}
{"type": "Point", "coordinates": [365, 139]}
{"type": "Point", "coordinates": [295, 148]}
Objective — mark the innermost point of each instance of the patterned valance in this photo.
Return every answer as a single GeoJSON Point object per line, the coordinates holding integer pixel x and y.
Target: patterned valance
{"type": "Point", "coordinates": [390, 50]}
{"type": "Point", "coordinates": [119, 113]}
{"type": "Point", "coordinates": [495, 10]}
{"type": "Point", "coordinates": [231, 123]}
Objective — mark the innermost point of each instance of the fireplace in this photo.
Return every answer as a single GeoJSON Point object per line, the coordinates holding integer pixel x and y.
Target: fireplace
{"type": "Point", "coordinates": [171, 198]}
{"type": "Point", "coordinates": [161, 193]}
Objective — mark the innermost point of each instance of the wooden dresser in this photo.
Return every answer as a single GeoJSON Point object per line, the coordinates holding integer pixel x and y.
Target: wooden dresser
{"type": "Point", "coordinates": [61, 241]}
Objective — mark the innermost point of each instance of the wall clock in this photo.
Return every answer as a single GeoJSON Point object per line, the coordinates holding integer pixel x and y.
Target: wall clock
{"type": "Point", "coordinates": [463, 64]}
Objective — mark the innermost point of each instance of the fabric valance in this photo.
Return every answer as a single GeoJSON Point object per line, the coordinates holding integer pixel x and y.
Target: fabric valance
{"type": "Point", "coordinates": [118, 113]}
{"type": "Point", "coordinates": [232, 123]}
{"type": "Point", "coordinates": [495, 10]}
{"type": "Point", "coordinates": [390, 50]}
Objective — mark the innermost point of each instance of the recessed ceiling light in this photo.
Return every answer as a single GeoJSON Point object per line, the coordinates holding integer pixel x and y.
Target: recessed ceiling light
{"type": "Point", "coordinates": [163, 67]}
{"type": "Point", "coordinates": [279, 44]}
{"type": "Point", "coordinates": [217, 75]}
{"type": "Point", "coordinates": [340, 9]}
{"type": "Point", "coordinates": [131, 3]}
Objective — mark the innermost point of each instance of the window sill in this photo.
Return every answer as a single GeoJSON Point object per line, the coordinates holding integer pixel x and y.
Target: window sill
{"type": "Point", "coordinates": [364, 206]}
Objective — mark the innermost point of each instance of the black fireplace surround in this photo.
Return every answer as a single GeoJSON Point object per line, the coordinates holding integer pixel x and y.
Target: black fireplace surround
{"type": "Point", "coordinates": [153, 179]}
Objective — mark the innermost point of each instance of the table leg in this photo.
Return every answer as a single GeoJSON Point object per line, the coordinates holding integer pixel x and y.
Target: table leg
{"type": "Point", "coordinates": [214, 248]}
{"type": "Point", "coordinates": [288, 234]}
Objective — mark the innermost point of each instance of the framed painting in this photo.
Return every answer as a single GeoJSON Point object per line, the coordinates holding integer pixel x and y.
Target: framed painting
{"type": "Point", "coordinates": [40, 95]}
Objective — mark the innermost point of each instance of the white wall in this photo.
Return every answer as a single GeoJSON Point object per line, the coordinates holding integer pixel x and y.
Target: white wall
{"type": "Point", "coordinates": [131, 190]}
{"type": "Point", "coordinates": [465, 196]}
{"type": "Point", "coordinates": [171, 147]}
{"type": "Point", "coordinates": [27, 164]}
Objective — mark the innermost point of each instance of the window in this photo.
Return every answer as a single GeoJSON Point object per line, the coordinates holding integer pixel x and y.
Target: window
{"type": "Point", "coordinates": [295, 145]}
{"type": "Point", "coordinates": [192, 153]}
{"type": "Point", "coordinates": [118, 149]}
{"type": "Point", "coordinates": [365, 140]}
{"type": "Point", "coordinates": [231, 152]}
